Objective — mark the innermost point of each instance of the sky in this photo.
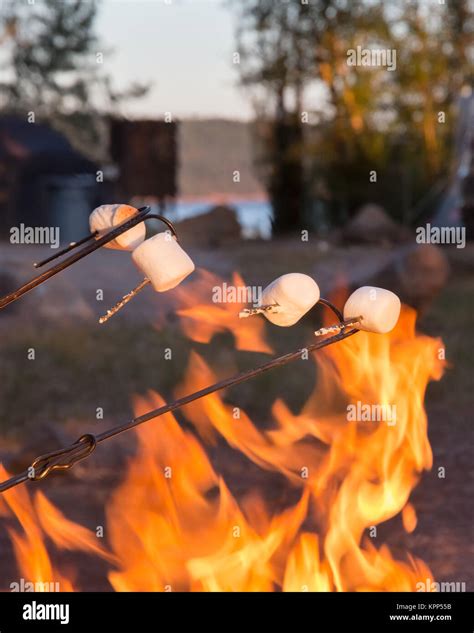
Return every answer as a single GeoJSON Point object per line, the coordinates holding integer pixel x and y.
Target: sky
{"type": "Point", "coordinates": [183, 47]}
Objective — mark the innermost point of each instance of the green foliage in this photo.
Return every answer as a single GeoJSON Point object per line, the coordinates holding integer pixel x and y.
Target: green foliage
{"type": "Point", "coordinates": [361, 119]}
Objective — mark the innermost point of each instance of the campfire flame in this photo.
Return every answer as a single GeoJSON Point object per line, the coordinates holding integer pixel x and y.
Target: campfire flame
{"type": "Point", "coordinates": [174, 523]}
{"type": "Point", "coordinates": [201, 321]}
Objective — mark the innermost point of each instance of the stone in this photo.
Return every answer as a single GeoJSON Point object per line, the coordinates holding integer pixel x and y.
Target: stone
{"type": "Point", "coordinates": [212, 229]}
{"type": "Point", "coordinates": [371, 224]}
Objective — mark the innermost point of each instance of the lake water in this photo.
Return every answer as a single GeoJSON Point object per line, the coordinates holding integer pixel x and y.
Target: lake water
{"type": "Point", "coordinates": [254, 216]}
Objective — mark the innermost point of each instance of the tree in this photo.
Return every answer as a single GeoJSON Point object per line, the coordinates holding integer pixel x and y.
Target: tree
{"type": "Point", "coordinates": [274, 59]}
{"type": "Point", "coordinates": [365, 120]}
{"type": "Point", "coordinates": [53, 67]}
{"type": "Point", "coordinates": [286, 49]}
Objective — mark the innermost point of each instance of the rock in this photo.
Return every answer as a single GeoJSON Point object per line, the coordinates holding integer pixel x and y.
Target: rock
{"type": "Point", "coordinates": [423, 272]}
{"type": "Point", "coordinates": [212, 229]}
{"type": "Point", "coordinates": [461, 259]}
{"type": "Point", "coordinates": [416, 275]}
{"type": "Point", "coordinates": [372, 224]}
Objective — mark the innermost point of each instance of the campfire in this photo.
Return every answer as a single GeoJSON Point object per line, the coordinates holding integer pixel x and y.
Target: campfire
{"type": "Point", "coordinates": [175, 524]}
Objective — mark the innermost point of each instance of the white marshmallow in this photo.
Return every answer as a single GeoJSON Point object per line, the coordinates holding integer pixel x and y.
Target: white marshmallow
{"type": "Point", "coordinates": [379, 308]}
{"type": "Point", "coordinates": [294, 295]}
{"type": "Point", "coordinates": [163, 261]}
{"type": "Point", "coordinates": [108, 216]}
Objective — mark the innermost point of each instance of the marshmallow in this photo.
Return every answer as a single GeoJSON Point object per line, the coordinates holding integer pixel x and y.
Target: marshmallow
{"type": "Point", "coordinates": [379, 309]}
{"type": "Point", "coordinates": [294, 294]}
{"type": "Point", "coordinates": [163, 261]}
{"type": "Point", "coordinates": [109, 216]}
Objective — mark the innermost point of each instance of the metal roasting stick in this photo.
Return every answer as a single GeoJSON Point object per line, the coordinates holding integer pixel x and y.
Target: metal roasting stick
{"type": "Point", "coordinates": [70, 247]}
{"type": "Point", "coordinates": [89, 246]}
{"type": "Point", "coordinates": [274, 307]}
{"type": "Point", "coordinates": [65, 458]}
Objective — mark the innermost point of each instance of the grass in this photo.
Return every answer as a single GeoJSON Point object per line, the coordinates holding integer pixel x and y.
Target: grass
{"type": "Point", "coordinates": [75, 370]}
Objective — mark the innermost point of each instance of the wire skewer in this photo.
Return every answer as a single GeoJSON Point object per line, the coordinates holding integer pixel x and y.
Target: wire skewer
{"type": "Point", "coordinates": [66, 249]}
{"type": "Point", "coordinates": [65, 458]}
{"type": "Point", "coordinates": [89, 244]}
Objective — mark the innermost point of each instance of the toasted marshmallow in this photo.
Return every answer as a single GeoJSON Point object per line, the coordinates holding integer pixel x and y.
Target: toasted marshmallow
{"type": "Point", "coordinates": [163, 261]}
{"type": "Point", "coordinates": [109, 216]}
{"type": "Point", "coordinates": [292, 295]}
{"type": "Point", "coordinates": [379, 309]}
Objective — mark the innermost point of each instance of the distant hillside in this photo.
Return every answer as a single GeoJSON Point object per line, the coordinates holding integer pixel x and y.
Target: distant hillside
{"type": "Point", "coordinates": [210, 150]}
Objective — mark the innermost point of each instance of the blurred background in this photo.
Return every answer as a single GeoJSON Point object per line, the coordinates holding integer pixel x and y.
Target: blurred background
{"type": "Point", "coordinates": [249, 103]}
{"type": "Point", "coordinates": [243, 122]}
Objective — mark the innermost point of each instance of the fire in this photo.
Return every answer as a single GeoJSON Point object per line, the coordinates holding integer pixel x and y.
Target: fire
{"type": "Point", "coordinates": [37, 520]}
{"type": "Point", "coordinates": [30, 550]}
{"type": "Point", "coordinates": [200, 321]}
{"type": "Point", "coordinates": [175, 524]}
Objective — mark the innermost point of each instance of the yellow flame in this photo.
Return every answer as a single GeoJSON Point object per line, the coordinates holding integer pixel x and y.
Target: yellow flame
{"type": "Point", "coordinates": [174, 524]}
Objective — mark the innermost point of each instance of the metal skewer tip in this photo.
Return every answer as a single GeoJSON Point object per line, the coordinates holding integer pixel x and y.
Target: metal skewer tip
{"type": "Point", "coordinates": [123, 302]}
{"type": "Point", "coordinates": [246, 312]}
{"type": "Point", "coordinates": [332, 329]}
{"type": "Point", "coordinates": [71, 246]}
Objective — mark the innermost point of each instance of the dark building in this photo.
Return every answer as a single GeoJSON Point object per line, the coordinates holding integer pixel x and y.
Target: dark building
{"type": "Point", "coordinates": [44, 181]}
{"type": "Point", "coordinates": [146, 155]}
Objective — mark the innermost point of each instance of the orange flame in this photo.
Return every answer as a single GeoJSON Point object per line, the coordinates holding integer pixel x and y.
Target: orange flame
{"type": "Point", "coordinates": [174, 524]}
{"type": "Point", "coordinates": [200, 321]}
{"type": "Point", "coordinates": [32, 557]}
